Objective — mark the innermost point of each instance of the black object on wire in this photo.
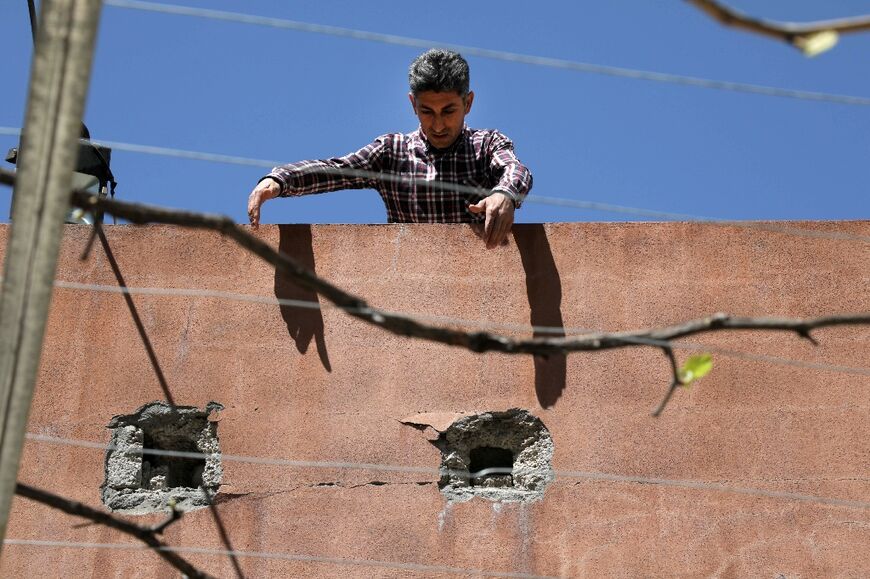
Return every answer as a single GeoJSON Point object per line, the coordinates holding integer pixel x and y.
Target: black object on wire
{"type": "Point", "coordinates": [93, 159]}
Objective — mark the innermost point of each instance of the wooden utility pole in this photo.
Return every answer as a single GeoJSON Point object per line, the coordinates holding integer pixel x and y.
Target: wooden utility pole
{"type": "Point", "coordinates": [49, 146]}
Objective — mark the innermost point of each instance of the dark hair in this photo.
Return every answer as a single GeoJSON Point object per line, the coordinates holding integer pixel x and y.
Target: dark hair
{"type": "Point", "coordinates": [439, 70]}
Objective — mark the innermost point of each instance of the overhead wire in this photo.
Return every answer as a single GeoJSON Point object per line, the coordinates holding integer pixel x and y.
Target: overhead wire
{"type": "Point", "coordinates": [501, 55]}
{"type": "Point", "coordinates": [309, 304]}
{"type": "Point", "coordinates": [458, 187]}
{"type": "Point", "coordinates": [558, 474]}
{"type": "Point", "coordinates": [417, 567]}
{"type": "Point", "coordinates": [482, 324]}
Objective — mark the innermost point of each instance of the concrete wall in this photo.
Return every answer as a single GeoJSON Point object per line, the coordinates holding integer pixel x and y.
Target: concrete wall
{"type": "Point", "coordinates": [317, 385]}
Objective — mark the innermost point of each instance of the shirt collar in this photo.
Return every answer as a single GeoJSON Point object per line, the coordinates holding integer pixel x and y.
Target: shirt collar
{"type": "Point", "coordinates": [427, 146]}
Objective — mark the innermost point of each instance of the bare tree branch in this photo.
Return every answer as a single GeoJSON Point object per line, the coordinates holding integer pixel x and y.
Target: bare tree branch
{"type": "Point", "coordinates": [173, 516]}
{"type": "Point", "coordinates": [795, 33]}
{"type": "Point", "coordinates": [144, 534]}
{"type": "Point", "coordinates": [675, 383]}
{"type": "Point", "coordinates": [475, 341]}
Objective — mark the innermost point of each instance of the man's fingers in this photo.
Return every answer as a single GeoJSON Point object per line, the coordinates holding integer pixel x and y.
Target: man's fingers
{"type": "Point", "coordinates": [505, 223]}
{"type": "Point", "coordinates": [254, 210]}
{"type": "Point", "coordinates": [498, 222]}
{"type": "Point", "coordinates": [499, 229]}
{"type": "Point", "coordinates": [489, 226]}
{"type": "Point", "coordinates": [265, 190]}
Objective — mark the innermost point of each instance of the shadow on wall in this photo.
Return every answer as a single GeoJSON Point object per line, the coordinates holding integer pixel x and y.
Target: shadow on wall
{"type": "Point", "coordinates": [544, 290]}
{"type": "Point", "coordinates": [303, 324]}
{"type": "Point", "coordinates": [134, 314]}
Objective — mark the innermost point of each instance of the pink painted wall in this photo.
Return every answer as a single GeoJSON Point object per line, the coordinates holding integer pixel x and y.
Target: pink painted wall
{"type": "Point", "coordinates": [320, 386]}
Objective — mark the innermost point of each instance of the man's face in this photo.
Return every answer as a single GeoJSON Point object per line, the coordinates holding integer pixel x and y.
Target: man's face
{"type": "Point", "coordinates": [441, 114]}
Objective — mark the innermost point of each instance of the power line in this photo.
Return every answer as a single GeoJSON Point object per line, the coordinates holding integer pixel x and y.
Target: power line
{"type": "Point", "coordinates": [263, 461]}
{"type": "Point", "coordinates": [240, 458]}
{"type": "Point", "coordinates": [550, 330]}
{"type": "Point", "coordinates": [458, 187]}
{"type": "Point", "coordinates": [277, 555]}
{"type": "Point", "coordinates": [307, 304]}
{"type": "Point", "coordinates": [488, 53]}
{"type": "Point", "coordinates": [858, 371]}
{"type": "Point", "coordinates": [669, 216]}
{"type": "Point", "coordinates": [711, 486]}
{"type": "Point", "coordinates": [559, 474]}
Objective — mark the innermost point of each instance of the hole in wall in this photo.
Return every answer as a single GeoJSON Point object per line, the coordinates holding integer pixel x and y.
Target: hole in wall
{"type": "Point", "coordinates": [490, 466]}
{"type": "Point", "coordinates": [160, 471]}
{"type": "Point", "coordinates": [139, 482]}
{"type": "Point", "coordinates": [498, 456]}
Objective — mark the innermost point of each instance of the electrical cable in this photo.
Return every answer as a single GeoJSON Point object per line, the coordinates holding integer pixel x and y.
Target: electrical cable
{"type": "Point", "coordinates": [487, 53]}
{"type": "Point", "coordinates": [482, 324]}
{"type": "Point", "coordinates": [558, 474]}
{"type": "Point", "coordinates": [417, 567]}
{"type": "Point", "coordinates": [447, 186]}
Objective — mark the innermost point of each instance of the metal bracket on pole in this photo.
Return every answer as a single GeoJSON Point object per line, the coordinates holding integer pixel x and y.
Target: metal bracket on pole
{"type": "Point", "coordinates": [49, 144]}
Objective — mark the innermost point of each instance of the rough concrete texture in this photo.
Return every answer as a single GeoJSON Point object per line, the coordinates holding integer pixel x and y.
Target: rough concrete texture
{"type": "Point", "coordinates": [138, 483]}
{"type": "Point", "coordinates": [524, 437]}
{"type": "Point", "coordinates": [317, 385]}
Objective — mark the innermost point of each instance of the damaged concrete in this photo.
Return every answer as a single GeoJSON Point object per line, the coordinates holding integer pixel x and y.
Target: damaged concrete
{"type": "Point", "coordinates": [498, 456]}
{"type": "Point", "coordinates": [138, 483]}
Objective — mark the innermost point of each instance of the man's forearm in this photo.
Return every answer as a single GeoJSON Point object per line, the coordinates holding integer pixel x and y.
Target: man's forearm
{"type": "Point", "coordinates": [323, 175]}
{"type": "Point", "coordinates": [513, 178]}
{"type": "Point", "coordinates": [315, 176]}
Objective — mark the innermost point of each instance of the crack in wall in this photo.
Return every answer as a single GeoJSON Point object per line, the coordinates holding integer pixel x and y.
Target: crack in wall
{"type": "Point", "coordinates": [373, 483]}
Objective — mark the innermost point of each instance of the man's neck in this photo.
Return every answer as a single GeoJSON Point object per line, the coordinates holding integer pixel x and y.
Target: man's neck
{"type": "Point", "coordinates": [441, 150]}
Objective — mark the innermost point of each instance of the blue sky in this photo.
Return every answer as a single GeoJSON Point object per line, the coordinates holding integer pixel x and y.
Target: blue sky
{"type": "Point", "coordinates": [251, 91]}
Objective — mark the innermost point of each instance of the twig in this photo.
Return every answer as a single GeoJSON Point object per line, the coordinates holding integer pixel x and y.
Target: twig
{"type": "Point", "coordinates": [675, 383]}
{"type": "Point", "coordinates": [175, 515]}
{"type": "Point", "coordinates": [475, 341]}
{"type": "Point", "coordinates": [794, 33]}
{"type": "Point", "coordinates": [146, 535]}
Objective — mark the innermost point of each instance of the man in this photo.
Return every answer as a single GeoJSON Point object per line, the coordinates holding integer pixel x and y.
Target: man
{"type": "Point", "coordinates": [414, 172]}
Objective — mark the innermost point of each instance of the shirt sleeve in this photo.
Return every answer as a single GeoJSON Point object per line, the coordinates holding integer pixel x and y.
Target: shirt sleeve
{"type": "Point", "coordinates": [514, 179]}
{"type": "Point", "coordinates": [354, 171]}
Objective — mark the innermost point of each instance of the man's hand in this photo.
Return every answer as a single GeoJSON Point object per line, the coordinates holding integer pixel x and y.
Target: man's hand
{"type": "Point", "coordinates": [499, 209]}
{"type": "Point", "coordinates": [265, 190]}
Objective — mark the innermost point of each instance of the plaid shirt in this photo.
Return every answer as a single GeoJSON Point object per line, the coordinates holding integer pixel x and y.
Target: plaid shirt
{"type": "Point", "coordinates": [417, 181]}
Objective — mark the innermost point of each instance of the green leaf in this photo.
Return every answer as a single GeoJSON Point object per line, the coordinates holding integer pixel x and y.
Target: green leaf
{"type": "Point", "coordinates": [695, 368]}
